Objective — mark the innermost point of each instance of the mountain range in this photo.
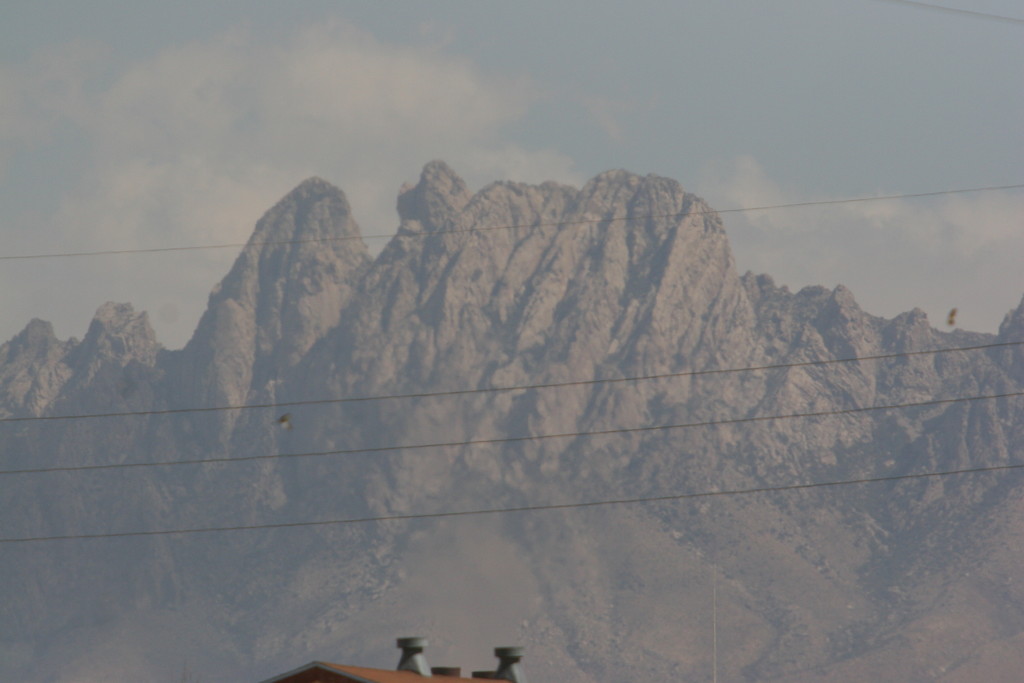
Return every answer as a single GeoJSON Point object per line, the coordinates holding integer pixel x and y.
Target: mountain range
{"type": "Point", "coordinates": [520, 346]}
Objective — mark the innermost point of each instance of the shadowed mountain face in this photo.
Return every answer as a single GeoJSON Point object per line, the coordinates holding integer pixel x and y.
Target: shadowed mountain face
{"type": "Point", "coordinates": [516, 285]}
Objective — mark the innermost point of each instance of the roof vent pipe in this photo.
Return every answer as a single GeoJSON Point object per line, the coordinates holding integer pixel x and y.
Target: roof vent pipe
{"type": "Point", "coordinates": [412, 656]}
{"type": "Point", "coordinates": [508, 664]}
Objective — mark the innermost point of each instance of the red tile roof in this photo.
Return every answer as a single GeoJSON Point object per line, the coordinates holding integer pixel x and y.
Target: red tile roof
{"type": "Point", "coordinates": [386, 676]}
{"type": "Point", "coordinates": [337, 673]}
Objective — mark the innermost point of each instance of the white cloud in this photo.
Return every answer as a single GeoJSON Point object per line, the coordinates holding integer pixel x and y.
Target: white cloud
{"type": "Point", "coordinates": [345, 80]}
{"type": "Point", "coordinates": [37, 94]}
{"type": "Point", "coordinates": [935, 253]}
{"type": "Point", "coordinates": [606, 113]}
{"type": "Point", "coordinates": [192, 145]}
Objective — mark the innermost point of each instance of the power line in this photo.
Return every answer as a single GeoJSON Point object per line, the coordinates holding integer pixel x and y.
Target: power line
{"type": "Point", "coordinates": [512, 439]}
{"type": "Point", "coordinates": [955, 10]}
{"type": "Point", "coordinates": [521, 508]}
{"type": "Point", "coordinates": [542, 224]}
{"type": "Point", "coordinates": [520, 387]}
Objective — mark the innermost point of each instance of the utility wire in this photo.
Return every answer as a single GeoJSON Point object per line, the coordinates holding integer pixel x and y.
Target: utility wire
{"type": "Point", "coordinates": [520, 387]}
{"type": "Point", "coordinates": [521, 508]}
{"type": "Point", "coordinates": [542, 224]}
{"type": "Point", "coordinates": [512, 439]}
{"type": "Point", "coordinates": [955, 10]}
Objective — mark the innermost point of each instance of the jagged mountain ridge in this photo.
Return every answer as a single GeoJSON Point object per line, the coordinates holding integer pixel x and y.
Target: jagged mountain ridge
{"type": "Point", "coordinates": [626, 276]}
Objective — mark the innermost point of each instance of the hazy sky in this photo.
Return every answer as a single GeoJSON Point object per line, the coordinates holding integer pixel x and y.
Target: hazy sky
{"type": "Point", "coordinates": [156, 124]}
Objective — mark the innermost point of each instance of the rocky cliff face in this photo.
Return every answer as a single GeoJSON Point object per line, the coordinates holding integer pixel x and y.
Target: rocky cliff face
{"type": "Point", "coordinates": [515, 285]}
{"type": "Point", "coordinates": [287, 288]}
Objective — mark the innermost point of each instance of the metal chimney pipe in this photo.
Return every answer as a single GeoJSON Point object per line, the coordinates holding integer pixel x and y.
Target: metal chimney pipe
{"type": "Point", "coordinates": [508, 664]}
{"type": "Point", "coordinates": [412, 656]}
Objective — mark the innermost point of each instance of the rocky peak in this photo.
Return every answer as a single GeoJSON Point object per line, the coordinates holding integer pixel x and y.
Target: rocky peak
{"type": "Point", "coordinates": [439, 194]}
{"type": "Point", "coordinates": [32, 369]}
{"type": "Point", "coordinates": [908, 331]}
{"type": "Point", "coordinates": [119, 352]}
{"type": "Point", "coordinates": [1012, 327]}
{"type": "Point", "coordinates": [37, 335]}
{"type": "Point", "coordinates": [622, 191]}
{"type": "Point", "coordinates": [845, 328]}
{"type": "Point", "coordinates": [37, 330]}
{"type": "Point", "coordinates": [313, 219]}
{"type": "Point", "coordinates": [295, 216]}
{"type": "Point", "coordinates": [285, 290]}
{"type": "Point", "coordinates": [117, 333]}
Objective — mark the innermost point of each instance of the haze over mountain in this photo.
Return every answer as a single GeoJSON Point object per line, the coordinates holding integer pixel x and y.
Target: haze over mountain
{"type": "Point", "coordinates": [515, 285]}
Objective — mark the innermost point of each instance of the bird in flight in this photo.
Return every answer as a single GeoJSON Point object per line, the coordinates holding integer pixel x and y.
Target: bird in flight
{"type": "Point", "coordinates": [285, 421]}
